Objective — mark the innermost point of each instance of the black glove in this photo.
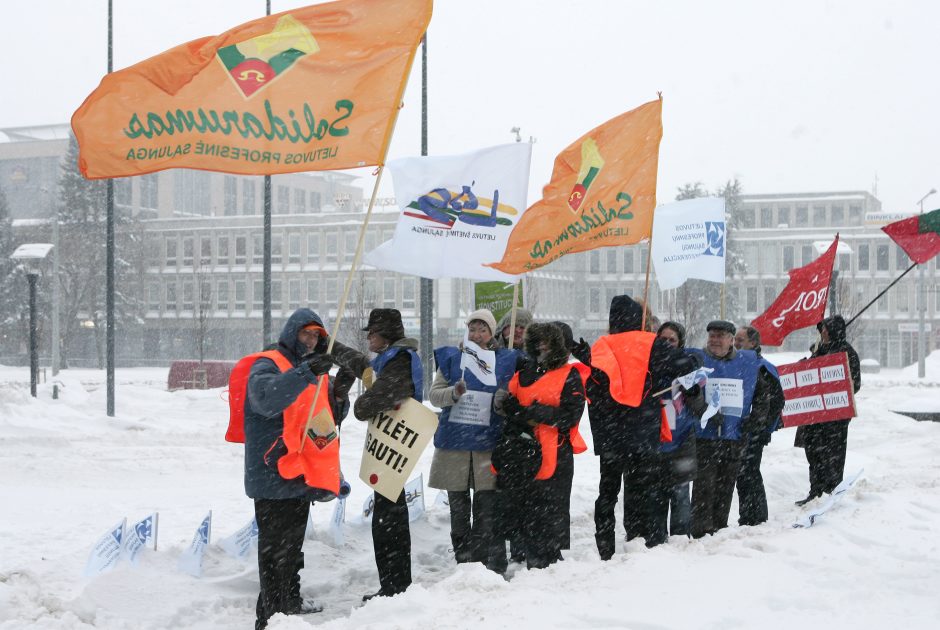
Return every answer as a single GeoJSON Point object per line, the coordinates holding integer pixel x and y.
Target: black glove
{"type": "Point", "coordinates": [582, 352]}
{"type": "Point", "coordinates": [511, 407]}
{"type": "Point", "coordinates": [320, 364]}
{"type": "Point", "coordinates": [342, 383]}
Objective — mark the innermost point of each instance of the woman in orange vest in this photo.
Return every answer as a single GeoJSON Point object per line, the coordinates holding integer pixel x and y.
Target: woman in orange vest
{"type": "Point", "coordinates": [543, 408]}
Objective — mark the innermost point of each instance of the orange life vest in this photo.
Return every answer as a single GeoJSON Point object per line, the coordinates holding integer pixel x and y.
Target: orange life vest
{"type": "Point", "coordinates": [547, 391]}
{"type": "Point", "coordinates": [625, 359]}
{"type": "Point", "coordinates": [319, 460]}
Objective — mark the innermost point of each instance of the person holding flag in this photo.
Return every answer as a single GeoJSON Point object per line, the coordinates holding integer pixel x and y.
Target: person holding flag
{"type": "Point", "coordinates": [466, 380]}
{"type": "Point", "coordinates": [281, 386]}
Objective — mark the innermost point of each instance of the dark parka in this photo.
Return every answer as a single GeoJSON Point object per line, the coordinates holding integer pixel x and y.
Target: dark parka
{"type": "Point", "coordinates": [270, 392]}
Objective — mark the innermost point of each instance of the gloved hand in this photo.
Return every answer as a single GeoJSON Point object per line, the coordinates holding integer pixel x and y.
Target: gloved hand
{"type": "Point", "coordinates": [582, 351]}
{"type": "Point", "coordinates": [511, 407]}
{"type": "Point", "coordinates": [543, 414]}
{"type": "Point", "coordinates": [459, 389]}
{"type": "Point", "coordinates": [320, 364]}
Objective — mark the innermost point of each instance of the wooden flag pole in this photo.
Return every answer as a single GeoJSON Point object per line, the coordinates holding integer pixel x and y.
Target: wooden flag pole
{"type": "Point", "coordinates": [512, 317]}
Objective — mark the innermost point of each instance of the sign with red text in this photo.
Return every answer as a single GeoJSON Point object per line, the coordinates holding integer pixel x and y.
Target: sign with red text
{"type": "Point", "coordinates": [817, 390]}
{"type": "Point", "coordinates": [394, 442]}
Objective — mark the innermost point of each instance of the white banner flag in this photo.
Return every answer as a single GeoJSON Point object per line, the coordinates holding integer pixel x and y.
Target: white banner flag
{"type": "Point", "coordinates": [191, 560]}
{"type": "Point", "coordinates": [480, 362]}
{"type": "Point", "coordinates": [414, 497]}
{"type": "Point", "coordinates": [106, 552]}
{"type": "Point", "coordinates": [137, 536]}
{"type": "Point", "coordinates": [336, 522]}
{"type": "Point", "coordinates": [689, 241]}
{"type": "Point", "coordinates": [240, 544]}
{"type": "Point", "coordinates": [456, 212]}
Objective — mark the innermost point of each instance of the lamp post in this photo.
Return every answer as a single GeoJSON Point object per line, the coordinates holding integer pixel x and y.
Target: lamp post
{"type": "Point", "coordinates": [31, 255]}
{"type": "Point", "coordinates": [921, 337]}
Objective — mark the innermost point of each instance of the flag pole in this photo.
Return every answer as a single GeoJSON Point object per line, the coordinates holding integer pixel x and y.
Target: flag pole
{"type": "Point", "coordinates": [156, 528]}
{"type": "Point", "coordinates": [512, 316]}
{"type": "Point", "coordinates": [867, 306]}
{"type": "Point", "coordinates": [722, 302]}
{"type": "Point", "coordinates": [646, 290]}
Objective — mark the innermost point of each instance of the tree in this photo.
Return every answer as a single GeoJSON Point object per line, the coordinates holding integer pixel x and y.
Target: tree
{"type": "Point", "coordinates": [13, 306]}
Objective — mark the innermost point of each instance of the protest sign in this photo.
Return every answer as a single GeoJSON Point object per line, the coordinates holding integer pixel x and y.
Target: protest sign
{"type": "Point", "coordinates": [817, 390]}
{"type": "Point", "coordinates": [394, 442]}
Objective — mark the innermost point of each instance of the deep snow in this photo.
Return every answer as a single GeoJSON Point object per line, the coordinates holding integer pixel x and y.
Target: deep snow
{"type": "Point", "coordinates": [69, 473]}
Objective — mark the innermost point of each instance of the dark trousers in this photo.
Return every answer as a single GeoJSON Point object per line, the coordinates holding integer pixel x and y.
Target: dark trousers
{"type": "Point", "coordinates": [544, 518]}
{"type": "Point", "coordinates": [472, 526]}
{"type": "Point", "coordinates": [281, 527]}
{"type": "Point", "coordinates": [825, 446]}
{"type": "Point", "coordinates": [680, 510]}
{"type": "Point", "coordinates": [752, 498]}
{"type": "Point", "coordinates": [713, 489]}
{"type": "Point", "coordinates": [638, 472]}
{"type": "Point", "coordinates": [391, 539]}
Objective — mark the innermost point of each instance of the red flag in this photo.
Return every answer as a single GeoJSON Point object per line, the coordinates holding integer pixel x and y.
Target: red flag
{"type": "Point", "coordinates": [918, 236]}
{"type": "Point", "coordinates": [802, 302]}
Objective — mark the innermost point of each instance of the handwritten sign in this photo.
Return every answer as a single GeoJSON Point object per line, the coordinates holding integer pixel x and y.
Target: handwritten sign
{"type": "Point", "coordinates": [817, 390]}
{"type": "Point", "coordinates": [394, 442]}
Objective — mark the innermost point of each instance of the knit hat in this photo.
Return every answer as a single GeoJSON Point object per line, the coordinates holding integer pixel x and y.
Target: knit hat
{"type": "Point", "coordinates": [523, 318]}
{"type": "Point", "coordinates": [626, 314]}
{"type": "Point", "coordinates": [485, 316]}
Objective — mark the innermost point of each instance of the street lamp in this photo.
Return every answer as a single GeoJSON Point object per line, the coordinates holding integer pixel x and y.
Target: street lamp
{"type": "Point", "coordinates": [921, 337]}
{"type": "Point", "coordinates": [30, 256]}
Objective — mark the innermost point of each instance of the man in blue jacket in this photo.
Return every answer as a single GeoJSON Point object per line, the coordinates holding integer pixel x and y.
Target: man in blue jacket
{"type": "Point", "coordinates": [282, 505]}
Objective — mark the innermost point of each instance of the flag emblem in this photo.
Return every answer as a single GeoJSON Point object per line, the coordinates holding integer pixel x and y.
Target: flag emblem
{"type": "Point", "coordinates": [445, 207]}
{"type": "Point", "coordinates": [715, 232]}
{"type": "Point", "coordinates": [254, 63]}
{"type": "Point", "coordinates": [591, 164]}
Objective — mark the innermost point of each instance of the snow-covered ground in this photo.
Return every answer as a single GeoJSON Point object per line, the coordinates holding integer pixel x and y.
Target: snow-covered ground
{"type": "Point", "coordinates": [69, 473]}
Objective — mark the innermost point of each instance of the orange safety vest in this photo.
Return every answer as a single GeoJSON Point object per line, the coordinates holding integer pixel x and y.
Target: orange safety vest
{"type": "Point", "coordinates": [625, 359]}
{"type": "Point", "coordinates": [547, 391]}
{"type": "Point", "coordinates": [319, 460]}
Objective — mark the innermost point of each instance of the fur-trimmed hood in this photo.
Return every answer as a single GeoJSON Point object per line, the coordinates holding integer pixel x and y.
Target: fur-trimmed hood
{"type": "Point", "coordinates": [557, 354]}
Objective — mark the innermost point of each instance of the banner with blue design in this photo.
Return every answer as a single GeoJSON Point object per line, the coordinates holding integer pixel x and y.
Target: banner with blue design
{"type": "Point", "coordinates": [689, 241]}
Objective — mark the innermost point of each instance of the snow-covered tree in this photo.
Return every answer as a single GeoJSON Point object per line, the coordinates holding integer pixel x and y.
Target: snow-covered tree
{"type": "Point", "coordinates": [12, 283]}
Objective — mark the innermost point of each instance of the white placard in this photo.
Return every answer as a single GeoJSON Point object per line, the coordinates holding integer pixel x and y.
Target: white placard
{"type": "Point", "coordinates": [472, 408]}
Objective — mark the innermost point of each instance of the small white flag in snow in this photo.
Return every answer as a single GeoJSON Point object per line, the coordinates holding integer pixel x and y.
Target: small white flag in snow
{"type": "Point", "coordinates": [107, 551]}
{"type": "Point", "coordinates": [336, 522]}
{"type": "Point", "coordinates": [191, 560]}
{"type": "Point", "coordinates": [414, 497]}
{"type": "Point", "coordinates": [457, 212]}
{"type": "Point", "coordinates": [441, 499]}
{"type": "Point", "coordinates": [368, 507]}
{"type": "Point", "coordinates": [689, 241]}
{"type": "Point", "coordinates": [137, 536]}
{"type": "Point", "coordinates": [240, 544]}
{"type": "Point", "coordinates": [480, 362]}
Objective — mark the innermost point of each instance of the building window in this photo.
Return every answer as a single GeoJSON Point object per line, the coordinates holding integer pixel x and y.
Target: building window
{"type": "Point", "coordinates": [293, 293]}
{"type": "Point", "coordinates": [205, 250]}
{"type": "Point", "coordinates": [388, 293]}
{"type": "Point", "coordinates": [191, 192]}
{"type": "Point", "coordinates": [332, 247]}
{"type": "Point", "coordinates": [408, 293]}
{"type": "Point", "coordinates": [747, 218]}
{"type": "Point", "coordinates": [594, 301]}
{"type": "Point", "coordinates": [205, 295]}
{"type": "Point", "coordinates": [241, 250]}
{"type": "Point", "coordinates": [153, 297]}
{"type": "Point", "coordinates": [257, 295]}
{"type": "Point", "coordinates": [222, 250]}
{"type": "Point", "coordinates": [313, 248]}
{"type": "Point", "coordinates": [863, 257]}
{"type": "Point", "coordinates": [314, 201]}
{"type": "Point", "coordinates": [221, 292]}
{"type": "Point", "coordinates": [901, 259]}
{"type": "Point", "coordinates": [838, 215]}
{"type": "Point", "coordinates": [122, 191]}
{"type": "Point", "coordinates": [611, 293]}
{"type": "Point", "coordinates": [750, 257]}
{"type": "Point", "coordinates": [844, 263]}
{"type": "Point", "coordinates": [628, 260]}
{"type": "Point", "coordinates": [149, 191]}
{"type": "Point", "coordinates": [349, 245]}
{"type": "Point", "coordinates": [187, 296]}
{"type": "Point", "coordinates": [240, 290]}
{"type": "Point", "coordinates": [881, 258]}
{"type": "Point", "coordinates": [313, 293]}
{"type": "Point", "coordinates": [767, 217]}
{"type": "Point", "coordinates": [300, 202]}
{"type": "Point", "coordinates": [751, 299]}
{"type": "Point", "coordinates": [807, 254]}
{"type": "Point", "coordinates": [855, 215]}
{"type": "Point", "coordinates": [644, 258]}
{"type": "Point", "coordinates": [819, 216]}
{"type": "Point", "coordinates": [611, 260]}
{"type": "Point", "coordinates": [230, 204]}
{"type": "Point", "coordinates": [171, 296]}
{"type": "Point", "coordinates": [802, 216]}
{"type": "Point", "coordinates": [171, 247]}
{"type": "Point", "coordinates": [188, 251]}
{"type": "Point", "coordinates": [903, 299]}
{"type": "Point", "coordinates": [257, 247]}
{"type": "Point", "coordinates": [293, 248]}
{"type": "Point", "coordinates": [783, 216]}
{"type": "Point", "coordinates": [283, 200]}
{"type": "Point", "coordinates": [770, 294]}
{"type": "Point", "coordinates": [277, 249]}
{"type": "Point", "coordinates": [788, 260]}
{"type": "Point", "coordinates": [248, 196]}
{"type": "Point", "coordinates": [277, 296]}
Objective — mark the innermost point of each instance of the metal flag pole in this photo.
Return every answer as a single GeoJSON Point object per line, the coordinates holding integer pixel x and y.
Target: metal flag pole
{"type": "Point", "coordinates": [426, 284]}
{"type": "Point", "coordinates": [266, 260]}
{"type": "Point", "coordinates": [109, 247]}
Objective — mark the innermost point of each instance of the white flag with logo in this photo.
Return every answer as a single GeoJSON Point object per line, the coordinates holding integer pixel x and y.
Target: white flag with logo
{"type": "Point", "coordinates": [106, 552]}
{"type": "Point", "coordinates": [457, 212]}
{"type": "Point", "coordinates": [689, 241]}
{"type": "Point", "coordinates": [190, 561]}
{"type": "Point", "coordinates": [137, 536]}
{"type": "Point", "coordinates": [336, 522]}
{"type": "Point", "coordinates": [414, 497]}
{"type": "Point", "coordinates": [480, 362]}
{"type": "Point", "coordinates": [240, 544]}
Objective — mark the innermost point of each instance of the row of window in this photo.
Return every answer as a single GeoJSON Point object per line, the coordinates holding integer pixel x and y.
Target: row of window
{"type": "Point", "coordinates": [233, 295]}
{"type": "Point", "coordinates": [762, 257]}
{"type": "Point", "coordinates": [611, 258]}
{"type": "Point", "coordinates": [803, 215]}
{"type": "Point", "coordinates": [903, 297]}
{"type": "Point", "coordinates": [234, 250]}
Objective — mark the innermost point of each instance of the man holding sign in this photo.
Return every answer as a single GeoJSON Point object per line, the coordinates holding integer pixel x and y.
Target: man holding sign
{"type": "Point", "coordinates": [398, 432]}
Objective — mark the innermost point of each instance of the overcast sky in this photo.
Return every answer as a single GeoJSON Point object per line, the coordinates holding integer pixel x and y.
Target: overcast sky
{"type": "Point", "coordinates": [795, 96]}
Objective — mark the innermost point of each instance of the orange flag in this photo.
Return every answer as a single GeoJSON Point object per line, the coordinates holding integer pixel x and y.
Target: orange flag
{"type": "Point", "coordinates": [314, 88]}
{"type": "Point", "coordinates": [602, 193]}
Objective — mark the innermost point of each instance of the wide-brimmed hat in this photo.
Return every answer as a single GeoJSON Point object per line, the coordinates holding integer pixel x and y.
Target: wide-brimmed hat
{"type": "Point", "coordinates": [386, 322]}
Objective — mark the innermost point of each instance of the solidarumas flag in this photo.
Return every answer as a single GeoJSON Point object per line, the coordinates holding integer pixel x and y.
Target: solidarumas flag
{"type": "Point", "coordinates": [802, 302]}
{"type": "Point", "coordinates": [602, 193]}
{"type": "Point", "coordinates": [457, 212]}
{"type": "Point", "coordinates": [918, 236]}
{"type": "Point", "coordinates": [316, 88]}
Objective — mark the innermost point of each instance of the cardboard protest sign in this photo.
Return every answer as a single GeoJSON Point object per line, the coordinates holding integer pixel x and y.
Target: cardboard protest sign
{"type": "Point", "coordinates": [817, 390]}
{"type": "Point", "coordinates": [394, 442]}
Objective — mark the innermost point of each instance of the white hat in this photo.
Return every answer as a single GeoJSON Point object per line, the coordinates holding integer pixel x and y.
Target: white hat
{"type": "Point", "coordinates": [485, 316]}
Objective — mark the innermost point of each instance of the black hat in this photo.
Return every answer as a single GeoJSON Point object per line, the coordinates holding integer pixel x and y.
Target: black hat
{"type": "Point", "coordinates": [387, 323]}
{"type": "Point", "coordinates": [721, 325]}
{"type": "Point", "coordinates": [625, 315]}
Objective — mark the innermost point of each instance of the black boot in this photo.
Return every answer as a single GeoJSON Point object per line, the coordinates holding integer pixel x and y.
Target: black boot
{"type": "Point", "coordinates": [809, 497]}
